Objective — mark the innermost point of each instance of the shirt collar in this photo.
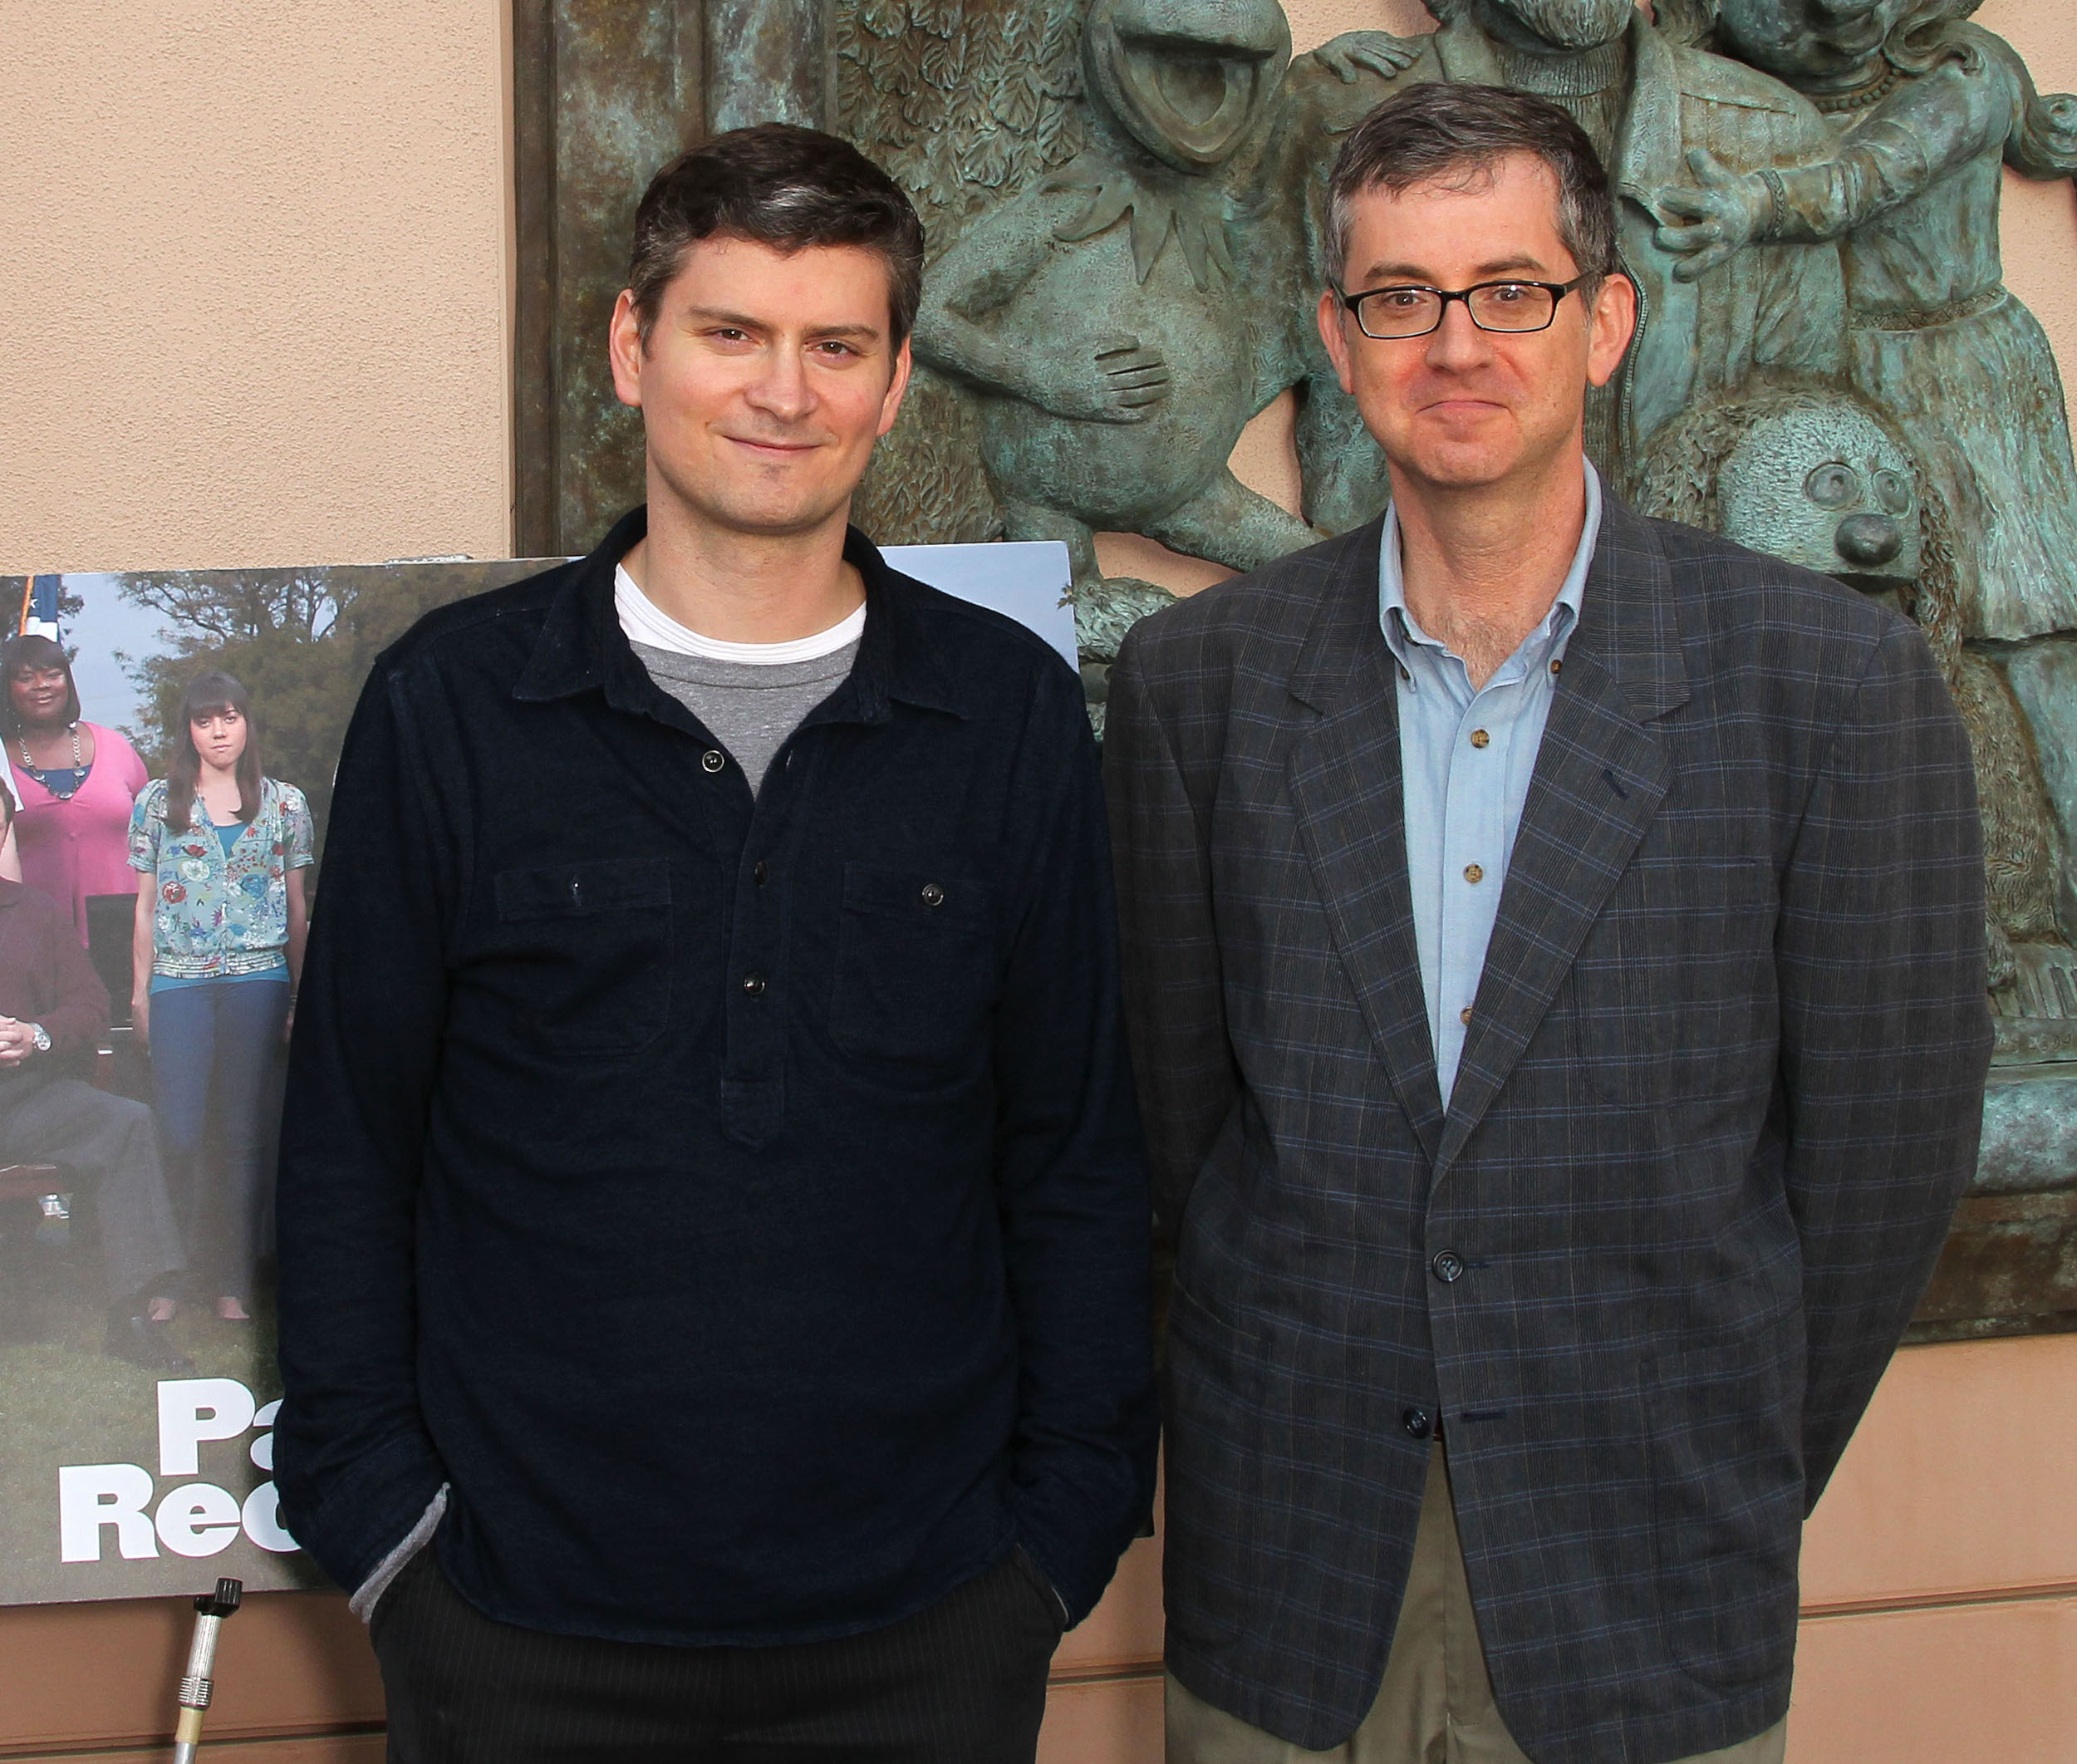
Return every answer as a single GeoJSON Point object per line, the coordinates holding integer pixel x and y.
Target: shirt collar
{"type": "Point", "coordinates": [1402, 634]}
{"type": "Point", "coordinates": [582, 647]}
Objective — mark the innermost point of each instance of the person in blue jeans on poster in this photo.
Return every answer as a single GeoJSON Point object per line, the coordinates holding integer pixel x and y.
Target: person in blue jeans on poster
{"type": "Point", "coordinates": [219, 946]}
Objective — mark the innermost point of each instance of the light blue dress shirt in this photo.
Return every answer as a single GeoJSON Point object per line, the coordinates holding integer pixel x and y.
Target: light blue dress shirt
{"type": "Point", "coordinates": [1467, 757]}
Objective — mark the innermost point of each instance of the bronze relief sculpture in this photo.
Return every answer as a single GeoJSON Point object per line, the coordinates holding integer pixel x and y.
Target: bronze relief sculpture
{"type": "Point", "coordinates": [1124, 204]}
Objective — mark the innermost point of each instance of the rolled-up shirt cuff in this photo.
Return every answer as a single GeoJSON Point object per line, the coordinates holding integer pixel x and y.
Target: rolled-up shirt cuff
{"type": "Point", "coordinates": [369, 1593]}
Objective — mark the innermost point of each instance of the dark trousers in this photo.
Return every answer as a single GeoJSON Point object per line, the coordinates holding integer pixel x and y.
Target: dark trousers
{"type": "Point", "coordinates": [961, 1682]}
{"type": "Point", "coordinates": [106, 1144]}
{"type": "Point", "coordinates": [111, 920]}
{"type": "Point", "coordinates": [213, 1054]}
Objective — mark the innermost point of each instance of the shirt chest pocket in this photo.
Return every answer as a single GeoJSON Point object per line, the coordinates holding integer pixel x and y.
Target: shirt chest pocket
{"type": "Point", "coordinates": [584, 951]}
{"type": "Point", "coordinates": [916, 966]}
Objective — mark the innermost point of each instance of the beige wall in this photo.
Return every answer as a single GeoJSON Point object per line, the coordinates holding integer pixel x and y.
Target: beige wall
{"type": "Point", "coordinates": [252, 282]}
{"type": "Point", "coordinates": [253, 308]}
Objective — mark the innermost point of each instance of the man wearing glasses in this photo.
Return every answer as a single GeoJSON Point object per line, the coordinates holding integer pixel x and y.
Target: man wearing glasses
{"type": "Point", "coordinates": [1555, 963]}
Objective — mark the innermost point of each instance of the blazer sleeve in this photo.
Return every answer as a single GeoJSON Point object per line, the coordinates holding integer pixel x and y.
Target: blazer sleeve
{"type": "Point", "coordinates": [1885, 1026]}
{"type": "Point", "coordinates": [1175, 1000]}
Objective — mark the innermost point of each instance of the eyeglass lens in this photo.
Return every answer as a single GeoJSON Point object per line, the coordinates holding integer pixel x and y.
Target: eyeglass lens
{"type": "Point", "coordinates": [1414, 312]}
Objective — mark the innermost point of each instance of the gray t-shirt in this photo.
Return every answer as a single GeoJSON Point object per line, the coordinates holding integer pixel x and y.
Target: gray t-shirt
{"type": "Point", "coordinates": [751, 707]}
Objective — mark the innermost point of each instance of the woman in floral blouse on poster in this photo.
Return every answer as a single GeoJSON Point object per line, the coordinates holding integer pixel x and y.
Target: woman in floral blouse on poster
{"type": "Point", "coordinates": [219, 946]}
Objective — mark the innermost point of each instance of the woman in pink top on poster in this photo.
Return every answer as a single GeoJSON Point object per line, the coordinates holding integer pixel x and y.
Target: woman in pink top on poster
{"type": "Point", "coordinates": [75, 782]}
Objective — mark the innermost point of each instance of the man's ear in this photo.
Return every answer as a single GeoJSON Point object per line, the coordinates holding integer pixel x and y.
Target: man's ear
{"type": "Point", "coordinates": [624, 349]}
{"type": "Point", "coordinates": [1335, 339]}
{"type": "Point", "coordinates": [1614, 323]}
{"type": "Point", "coordinates": [897, 388]}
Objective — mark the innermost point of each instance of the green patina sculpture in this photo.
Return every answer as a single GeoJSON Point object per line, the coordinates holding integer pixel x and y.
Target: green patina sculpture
{"type": "Point", "coordinates": [1098, 315]}
{"type": "Point", "coordinates": [1928, 110]}
{"type": "Point", "coordinates": [1124, 204]}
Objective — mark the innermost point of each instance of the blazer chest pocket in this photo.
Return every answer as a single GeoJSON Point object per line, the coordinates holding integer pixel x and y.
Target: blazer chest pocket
{"type": "Point", "coordinates": [916, 966]}
{"type": "Point", "coordinates": [585, 950]}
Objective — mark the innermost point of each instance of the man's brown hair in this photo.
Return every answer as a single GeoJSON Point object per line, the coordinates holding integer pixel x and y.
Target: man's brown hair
{"type": "Point", "coordinates": [1449, 134]}
{"type": "Point", "coordinates": [782, 186]}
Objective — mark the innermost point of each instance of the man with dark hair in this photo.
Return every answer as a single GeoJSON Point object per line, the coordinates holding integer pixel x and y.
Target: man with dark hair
{"type": "Point", "coordinates": [1554, 962]}
{"type": "Point", "coordinates": [53, 1010]}
{"type": "Point", "coordinates": [713, 1227]}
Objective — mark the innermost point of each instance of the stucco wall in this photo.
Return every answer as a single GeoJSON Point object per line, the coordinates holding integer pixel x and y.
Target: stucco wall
{"type": "Point", "coordinates": [252, 282]}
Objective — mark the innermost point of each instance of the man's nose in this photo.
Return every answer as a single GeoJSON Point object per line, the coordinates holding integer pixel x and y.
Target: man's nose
{"type": "Point", "coordinates": [782, 388]}
{"type": "Point", "coordinates": [1456, 341]}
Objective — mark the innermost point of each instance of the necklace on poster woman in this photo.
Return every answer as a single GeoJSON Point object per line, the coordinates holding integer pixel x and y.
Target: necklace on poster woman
{"type": "Point", "coordinates": [38, 773]}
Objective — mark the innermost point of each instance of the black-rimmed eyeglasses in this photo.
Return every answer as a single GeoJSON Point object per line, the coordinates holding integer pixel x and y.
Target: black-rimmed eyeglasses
{"type": "Point", "coordinates": [1389, 314]}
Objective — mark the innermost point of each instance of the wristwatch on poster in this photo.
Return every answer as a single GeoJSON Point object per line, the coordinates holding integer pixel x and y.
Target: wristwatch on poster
{"type": "Point", "coordinates": [42, 1037]}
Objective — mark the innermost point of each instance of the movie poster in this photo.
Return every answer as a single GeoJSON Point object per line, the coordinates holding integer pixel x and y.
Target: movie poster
{"type": "Point", "coordinates": [170, 741]}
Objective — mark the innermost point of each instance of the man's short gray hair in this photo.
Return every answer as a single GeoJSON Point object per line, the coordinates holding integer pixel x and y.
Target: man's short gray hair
{"type": "Point", "coordinates": [1447, 133]}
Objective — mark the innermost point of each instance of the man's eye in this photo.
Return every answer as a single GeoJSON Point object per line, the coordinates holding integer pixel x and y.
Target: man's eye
{"type": "Point", "coordinates": [1402, 298]}
{"type": "Point", "coordinates": [1507, 293]}
{"type": "Point", "coordinates": [830, 347]}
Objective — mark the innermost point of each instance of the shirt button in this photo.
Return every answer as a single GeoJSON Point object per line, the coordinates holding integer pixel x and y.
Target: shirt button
{"type": "Point", "coordinates": [1473, 873]}
{"type": "Point", "coordinates": [713, 759]}
{"type": "Point", "coordinates": [757, 873]}
{"type": "Point", "coordinates": [754, 985]}
{"type": "Point", "coordinates": [1417, 1422]}
{"type": "Point", "coordinates": [933, 896]}
{"type": "Point", "coordinates": [1464, 1015]}
{"type": "Point", "coordinates": [1447, 1267]}
{"type": "Point", "coordinates": [1479, 737]}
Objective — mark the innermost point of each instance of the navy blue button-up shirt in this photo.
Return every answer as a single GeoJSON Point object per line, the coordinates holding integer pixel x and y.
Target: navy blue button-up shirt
{"type": "Point", "coordinates": [737, 1200]}
{"type": "Point", "coordinates": [1466, 758]}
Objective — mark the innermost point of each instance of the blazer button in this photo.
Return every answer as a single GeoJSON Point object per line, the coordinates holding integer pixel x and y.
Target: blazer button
{"type": "Point", "coordinates": [933, 896]}
{"type": "Point", "coordinates": [1447, 1266]}
{"type": "Point", "coordinates": [713, 759]}
{"type": "Point", "coordinates": [1417, 1422]}
{"type": "Point", "coordinates": [752, 984]}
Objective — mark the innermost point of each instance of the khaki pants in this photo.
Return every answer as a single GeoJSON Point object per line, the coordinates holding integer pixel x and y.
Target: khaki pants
{"type": "Point", "coordinates": [1435, 1706]}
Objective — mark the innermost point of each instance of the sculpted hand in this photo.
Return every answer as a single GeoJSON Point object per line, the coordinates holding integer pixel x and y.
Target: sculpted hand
{"type": "Point", "coordinates": [1725, 214]}
{"type": "Point", "coordinates": [2052, 132]}
{"type": "Point", "coordinates": [1373, 51]}
{"type": "Point", "coordinates": [1128, 381]}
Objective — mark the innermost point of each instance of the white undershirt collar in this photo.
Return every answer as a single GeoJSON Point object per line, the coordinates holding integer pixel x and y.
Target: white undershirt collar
{"type": "Point", "coordinates": [647, 622]}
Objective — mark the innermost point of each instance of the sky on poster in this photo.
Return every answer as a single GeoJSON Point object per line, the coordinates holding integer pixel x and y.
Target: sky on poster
{"type": "Point", "coordinates": [106, 626]}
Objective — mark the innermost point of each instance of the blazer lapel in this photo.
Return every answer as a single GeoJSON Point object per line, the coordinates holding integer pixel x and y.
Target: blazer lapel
{"type": "Point", "coordinates": [1600, 776]}
{"type": "Point", "coordinates": [1345, 782]}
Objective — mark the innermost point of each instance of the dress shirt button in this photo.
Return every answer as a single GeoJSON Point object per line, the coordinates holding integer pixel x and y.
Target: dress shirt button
{"type": "Point", "coordinates": [757, 873]}
{"type": "Point", "coordinates": [1479, 737]}
{"type": "Point", "coordinates": [933, 896]}
{"type": "Point", "coordinates": [1464, 1016]}
{"type": "Point", "coordinates": [713, 759]}
{"type": "Point", "coordinates": [1448, 1266]}
{"type": "Point", "coordinates": [754, 985]}
{"type": "Point", "coordinates": [1473, 873]}
{"type": "Point", "coordinates": [1417, 1422]}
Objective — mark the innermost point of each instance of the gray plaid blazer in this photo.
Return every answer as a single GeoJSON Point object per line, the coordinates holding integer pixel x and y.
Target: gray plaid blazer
{"type": "Point", "coordinates": [1722, 1091]}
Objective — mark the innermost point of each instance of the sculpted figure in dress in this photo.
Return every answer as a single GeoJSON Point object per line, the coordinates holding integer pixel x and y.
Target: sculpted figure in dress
{"type": "Point", "coordinates": [1926, 110]}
